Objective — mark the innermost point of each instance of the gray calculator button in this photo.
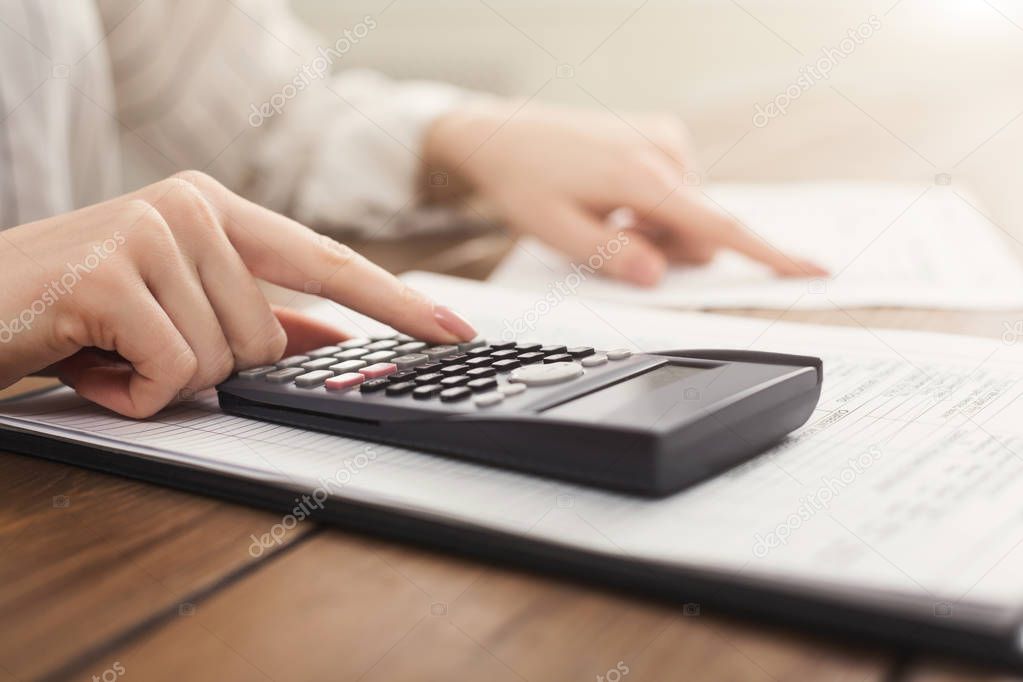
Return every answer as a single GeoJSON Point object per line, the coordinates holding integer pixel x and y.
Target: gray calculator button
{"type": "Point", "coordinates": [383, 344]}
{"type": "Point", "coordinates": [508, 390]}
{"type": "Point", "coordinates": [547, 374]}
{"type": "Point", "coordinates": [351, 354]}
{"type": "Point", "coordinates": [348, 366]}
{"type": "Point", "coordinates": [594, 360]}
{"type": "Point", "coordinates": [469, 345]}
{"type": "Point", "coordinates": [313, 379]}
{"type": "Point", "coordinates": [293, 361]}
{"type": "Point", "coordinates": [410, 347]}
{"type": "Point", "coordinates": [283, 376]}
{"type": "Point", "coordinates": [353, 343]}
{"type": "Point", "coordinates": [255, 372]}
{"type": "Point", "coordinates": [619, 354]}
{"type": "Point", "coordinates": [323, 352]}
{"type": "Point", "coordinates": [321, 363]}
{"type": "Point", "coordinates": [410, 360]}
{"type": "Point", "coordinates": [379, 356]}
{"type": "Point", "coordinates": [488, 399]}
{"type": "Point", "coordinates": [438, 352]}
{"type": "Point", "coordinates": [383, 336]}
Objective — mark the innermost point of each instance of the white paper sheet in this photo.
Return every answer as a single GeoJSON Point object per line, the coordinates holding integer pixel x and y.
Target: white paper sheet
{"type": "Point", "coordinates": [884, 245]}
{"type": "Point", "coordinates": [918, 440]}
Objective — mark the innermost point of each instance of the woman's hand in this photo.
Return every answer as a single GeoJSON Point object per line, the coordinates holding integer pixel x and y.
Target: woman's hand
{"type": "Point", "coordinates": [558, 174]}
{"type": "Point", "coordinates": [137, 299]}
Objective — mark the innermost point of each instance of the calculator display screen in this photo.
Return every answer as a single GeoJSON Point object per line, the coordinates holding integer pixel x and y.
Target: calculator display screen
{"type": "Point", "coordinates": [610, 400]}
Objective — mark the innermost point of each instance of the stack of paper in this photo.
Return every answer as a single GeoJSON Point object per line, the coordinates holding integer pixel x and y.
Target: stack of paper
{"type": "Point", "coordinates": [905, 486]}
{"type": "Point", "coordinates": [884, 245]}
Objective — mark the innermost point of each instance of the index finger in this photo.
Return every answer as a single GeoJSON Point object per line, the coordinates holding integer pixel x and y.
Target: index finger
{"type": "Point", "coordinates": [699, 218]}
{"type": "Point", "coordinates": [281, 250]}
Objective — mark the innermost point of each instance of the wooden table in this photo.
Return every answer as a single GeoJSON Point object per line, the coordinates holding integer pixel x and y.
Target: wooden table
{"type": "Point", "coordinates": [103, 577]}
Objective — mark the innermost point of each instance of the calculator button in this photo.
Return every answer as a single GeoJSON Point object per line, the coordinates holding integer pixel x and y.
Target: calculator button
{"type": "Point", "coordinates": [428, 368]}
{"type": "Point", "coordinates": [343, 381]}
{"type": "Point", "coordinates": [619, 354]}
{"type": "Point", "coordinates": [469, 345]}
{"type": "Point", "coordinates": [479, 351]}
{"type": "Point", "coordinates": [410, 360]}
{"type": "Point", "coordinates": [293, 361]}
{"type": "Point", "coordinates": [400, 388]}
{"type": "Point", "coordinates": [428, 391]}
{"type": "Point", "coordinates": [453, 359]}
{"type": "Point", "coordinates": [488, 399]}
{"type": "Point", "coordinates": [431, 378]}
{"type": "Point", "coordinates": [382, 345]}
{"type": "Point", "coordinates": [348, 366]}
{"type": "Point", "coordinates": [504, 354]}
{"type": "Point", "coordinates": [527, 347]}
{"type": "Point", "coordinates": [374, 385]}
{"type": "Point", "coordinates": [383, 336]}
{"type": "Point", "coordinates": [558, 357]}
{"type": "Point", "coordinates": [506, 365]}
{"type": "Point", "coordinates": [502, 345]}
{"type": "Point", "coordinates": [313, 379]}
{"type": "Point", "coordinates": [412, 347]}
{"type": "Point", "coordinates": [453, 369]}
{"type": "Point", "coordinates": [379, 356]}
{"type": "Point", "coordinates": [255, 372]}
{"type": "Point", "coordinates": [594, 360]}
{"type": "Point", "coordinates": [400, 376]}
{"type": "Point", "coordinates": [351, 354]}
{"type": "Point", "coordinates": [546, 374]}
{"type": "Point", "coordinates": [438, 352]}
{"type": "Point", "coordinates": [380, 369]}
{"type": "Point", "coordinates": [403, 338]}
{"type": "Point", "coordinates": [479, 362]}
{"type": "Point", "coordinates": [323, 352]}
{"type": "Point", "coordinates": [321, 363]}
{"type": "Point", "coordinates": [508, 390]}
{"type": "Point", "coordinates": [450, 395]}
{"type": "Point", "coordinates": [283, 376]}
{"type": "Point", "coordinates": [353, 343]}
{"type": "Point", "coordinates": [551, 350]}
{"type": "Point", "coordinates": [484, 384]}
{"type": "Point", "coordinates": [480, 372]}
{"type": "Point", "coordinates": [456, 380]}
{"type": "Point", "coordinates": [580, 352]}
{"type": "Point", "coordinates": [530, 358]}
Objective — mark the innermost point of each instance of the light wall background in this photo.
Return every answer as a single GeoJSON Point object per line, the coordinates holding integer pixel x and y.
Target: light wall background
{"type": "Point", "coordinates": [937, 89]}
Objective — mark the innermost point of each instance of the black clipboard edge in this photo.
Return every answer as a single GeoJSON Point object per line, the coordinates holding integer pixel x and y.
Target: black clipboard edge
{"type": "Point", "coordinates": [788, 609]}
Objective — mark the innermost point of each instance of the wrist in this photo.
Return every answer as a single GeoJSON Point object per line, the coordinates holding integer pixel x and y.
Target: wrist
{"type": "Point", "coordinates": [451, 143]}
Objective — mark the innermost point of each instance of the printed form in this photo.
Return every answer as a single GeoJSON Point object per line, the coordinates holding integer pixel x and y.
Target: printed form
{"type": "Point", "coordinates": [906, 485]}
{"type": "Point", "coordinates": [883, 245]}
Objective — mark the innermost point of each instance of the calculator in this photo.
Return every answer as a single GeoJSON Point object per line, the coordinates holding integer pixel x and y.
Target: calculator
{"type": "Point", "coordinates": [644, 423]}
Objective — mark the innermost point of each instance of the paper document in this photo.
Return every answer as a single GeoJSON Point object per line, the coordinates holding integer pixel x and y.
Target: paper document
{"type": "Point", "coordinates": [883, 245]}
{"type": "Point", "coordinates": [906, 484]}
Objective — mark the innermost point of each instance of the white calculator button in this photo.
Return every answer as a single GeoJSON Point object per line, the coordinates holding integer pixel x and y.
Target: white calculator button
{"type": "Point", "coordinates": [508, 390]}
{"type": "Point", "coordinates": [488, 399]}
{"type": "Point", "coordinates": [619, 354]}
{"type": "Point", "coordinates": [594, 360]}
{"type": "Point", "coordinates": [546, 374]}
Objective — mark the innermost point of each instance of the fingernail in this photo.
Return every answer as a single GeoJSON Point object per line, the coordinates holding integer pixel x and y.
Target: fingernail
{"type": "Point", "coordinates": [453, 322]}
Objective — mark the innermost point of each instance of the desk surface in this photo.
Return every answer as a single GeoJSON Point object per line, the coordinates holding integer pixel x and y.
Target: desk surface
{"type": "Point", "coordinates": [101, 575]}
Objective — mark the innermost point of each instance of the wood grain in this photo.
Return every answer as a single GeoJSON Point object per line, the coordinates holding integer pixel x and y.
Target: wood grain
{"type": "Point", "coordinates": [85, 557]}
{"type": "Point", "coordinates": [342, 607]}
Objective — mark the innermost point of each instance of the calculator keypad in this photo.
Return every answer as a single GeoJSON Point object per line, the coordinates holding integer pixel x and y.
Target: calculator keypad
{"type": "Point", "coordinates": [399, 367]}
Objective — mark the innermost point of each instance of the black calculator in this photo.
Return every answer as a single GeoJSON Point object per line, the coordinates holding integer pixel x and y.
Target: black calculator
{"type": "Point", "coordinates": [645, 423]}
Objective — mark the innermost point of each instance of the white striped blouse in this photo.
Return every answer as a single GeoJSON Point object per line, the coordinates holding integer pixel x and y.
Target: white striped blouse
{"type": "Point", "coordinates": [237, 88]}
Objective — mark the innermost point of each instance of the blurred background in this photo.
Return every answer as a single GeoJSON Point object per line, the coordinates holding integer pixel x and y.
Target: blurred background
{"type": "Point", "coordinates": [933, 92]}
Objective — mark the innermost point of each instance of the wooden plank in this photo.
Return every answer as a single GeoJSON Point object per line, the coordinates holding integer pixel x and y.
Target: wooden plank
{"type": "Point", "coordinates": [86, 556]}
{"type": "Point", "coordinates": [345, 607]}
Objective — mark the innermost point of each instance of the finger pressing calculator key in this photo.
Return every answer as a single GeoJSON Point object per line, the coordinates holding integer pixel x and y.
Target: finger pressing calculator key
{"type": "Point", "coordinates": [647, 423]}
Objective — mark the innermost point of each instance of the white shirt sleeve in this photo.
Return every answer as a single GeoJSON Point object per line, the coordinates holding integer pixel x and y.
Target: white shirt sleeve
{"type": "Point", "coordinates": [242, 90]}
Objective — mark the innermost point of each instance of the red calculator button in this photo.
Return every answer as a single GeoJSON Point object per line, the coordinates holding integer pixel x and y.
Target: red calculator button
{"type": "Point", "coordinates": [380, 369]}
{"type": "Point", "coordinates": [343, 381]}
